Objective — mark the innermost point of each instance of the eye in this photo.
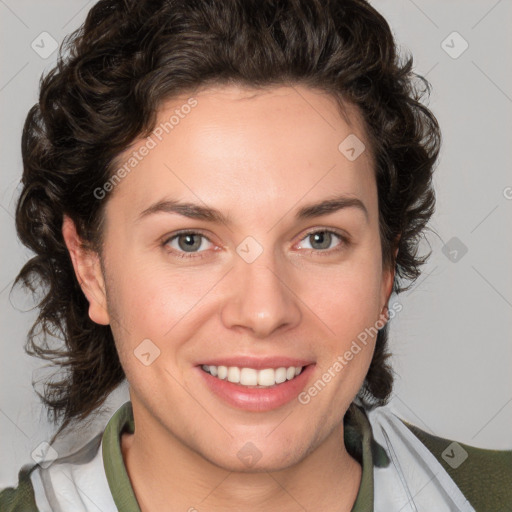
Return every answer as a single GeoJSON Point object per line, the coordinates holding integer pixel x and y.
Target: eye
{"type": "Point", "coordinates": [322, 241]}
{"type": "Point", "coordinates": [191, 244]}
{"type": "Point", "coordinates": [187, 244]}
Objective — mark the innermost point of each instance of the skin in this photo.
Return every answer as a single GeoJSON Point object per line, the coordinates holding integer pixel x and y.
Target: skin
{"type": "Point", "coordinates": [257, 156]}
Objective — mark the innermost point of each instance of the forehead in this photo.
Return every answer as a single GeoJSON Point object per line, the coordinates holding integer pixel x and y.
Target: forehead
{"type": "Point", "coordinates": [231, 145]}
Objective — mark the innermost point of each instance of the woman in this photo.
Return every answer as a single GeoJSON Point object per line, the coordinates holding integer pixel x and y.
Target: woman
{"type": "Point", "coordinates": [222, 197]}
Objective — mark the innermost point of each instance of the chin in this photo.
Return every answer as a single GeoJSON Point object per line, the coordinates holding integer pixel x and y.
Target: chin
{"type": "Point", "coordinates": [246, 456]}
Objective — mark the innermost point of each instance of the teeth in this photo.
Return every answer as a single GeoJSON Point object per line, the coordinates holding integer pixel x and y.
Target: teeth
{"type": "Point", "coordinates": [280, 375]}
{"type": "Point", "coordinates": [234, 374]}
{"type": "Point", "coordinates": [290, 373]}
{"type": "Point", "coordinates": [222, 372]}
{"type": "Point", "coordinates": [249, 377]}
{"type": "Point", "coordinates": [267, 377]}
{"type": "Point", "coordinates": [252, 377]}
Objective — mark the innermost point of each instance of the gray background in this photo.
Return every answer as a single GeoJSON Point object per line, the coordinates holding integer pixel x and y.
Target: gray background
{"type": "Point", "coordinates": [452, 341]}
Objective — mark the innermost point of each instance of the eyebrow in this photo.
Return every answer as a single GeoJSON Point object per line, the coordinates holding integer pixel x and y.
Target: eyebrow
{"type": "Point", "coordinates": [332, 205]}
{"type": "Point", "coordinates": [205, 213]}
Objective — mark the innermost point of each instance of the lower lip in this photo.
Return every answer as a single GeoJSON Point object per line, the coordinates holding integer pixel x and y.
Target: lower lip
{"type": "Point", "coordinates": [257, 399]}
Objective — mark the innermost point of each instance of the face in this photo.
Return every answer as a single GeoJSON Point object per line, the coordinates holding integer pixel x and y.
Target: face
{"type": "Point", "coordinates": [244, 242]}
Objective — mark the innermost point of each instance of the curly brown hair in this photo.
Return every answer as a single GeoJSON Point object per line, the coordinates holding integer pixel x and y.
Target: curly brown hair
{"type": "Point", "coordinates": [112, 75]}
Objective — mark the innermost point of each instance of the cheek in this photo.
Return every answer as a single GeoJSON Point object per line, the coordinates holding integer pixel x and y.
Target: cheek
{"type": "Point", "coordinates": [153, 300]}
{"type": "Point", "coordinates": [348, 304]}
{"type": "Point", "coordinates": [345, 298]}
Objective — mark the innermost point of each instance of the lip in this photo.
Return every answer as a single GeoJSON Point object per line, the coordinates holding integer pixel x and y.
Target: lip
{"type": "Point", "coordinates": [257, 399]}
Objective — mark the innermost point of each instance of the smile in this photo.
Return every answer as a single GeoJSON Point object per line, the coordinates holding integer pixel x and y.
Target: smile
{"type": "Point", "coordinates": [250, 377]}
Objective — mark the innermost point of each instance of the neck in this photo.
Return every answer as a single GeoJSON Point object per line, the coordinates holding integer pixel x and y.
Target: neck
{"type": "Point", "coordinates": [167, 475]}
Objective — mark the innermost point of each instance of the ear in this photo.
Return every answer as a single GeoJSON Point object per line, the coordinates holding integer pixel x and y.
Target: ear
{"type": "Point", "coordinates": [86, 264]}
{"type": "Point", "coordinates": [388, 279]}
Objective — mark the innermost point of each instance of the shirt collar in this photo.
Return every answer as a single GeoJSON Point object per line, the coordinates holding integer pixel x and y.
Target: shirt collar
{"type": "Point", "coordinates": [358, 439]}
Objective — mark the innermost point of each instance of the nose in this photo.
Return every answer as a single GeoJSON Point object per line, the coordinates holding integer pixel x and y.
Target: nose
{"type": "Point", "coordinates": [260, 298]}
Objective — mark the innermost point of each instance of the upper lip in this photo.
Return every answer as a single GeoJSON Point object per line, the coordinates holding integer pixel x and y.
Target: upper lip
{"type": "Point", "coordinates": [257, 362]}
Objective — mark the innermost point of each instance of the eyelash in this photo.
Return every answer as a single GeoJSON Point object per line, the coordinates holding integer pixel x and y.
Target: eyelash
{"type": "Point", "coordinates": [345, 241]}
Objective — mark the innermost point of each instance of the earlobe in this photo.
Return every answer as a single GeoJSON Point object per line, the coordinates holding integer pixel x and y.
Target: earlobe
{"type": "Point", "coordinates": [387, 289]}
{"type": "Point", "coordinates": [86, 264]}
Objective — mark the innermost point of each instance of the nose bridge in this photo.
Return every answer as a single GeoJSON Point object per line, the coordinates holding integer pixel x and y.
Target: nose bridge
{"type": "Point", "coordinates": [260, 297]}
